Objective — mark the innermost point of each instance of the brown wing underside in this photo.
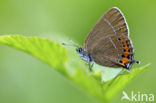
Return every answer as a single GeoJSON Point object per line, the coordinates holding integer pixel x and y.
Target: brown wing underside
{"type": "Point", "coordinates": [113, 51]}
{"type": "Point", "coordinates": [110, 24]}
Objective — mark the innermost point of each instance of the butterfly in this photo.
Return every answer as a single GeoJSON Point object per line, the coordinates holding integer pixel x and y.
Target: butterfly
{"type": "Point", "coordinates": [108, 43]}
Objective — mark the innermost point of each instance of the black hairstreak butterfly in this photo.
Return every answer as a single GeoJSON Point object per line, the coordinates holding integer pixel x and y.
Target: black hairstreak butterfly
{"type": "Point", "coordinates": [108, 43]}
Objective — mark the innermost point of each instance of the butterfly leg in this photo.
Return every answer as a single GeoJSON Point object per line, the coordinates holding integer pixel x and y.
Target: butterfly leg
{"type": "Point", "coordinates": [90, 65]}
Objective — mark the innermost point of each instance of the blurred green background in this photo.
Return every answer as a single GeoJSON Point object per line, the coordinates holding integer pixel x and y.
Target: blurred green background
{"type": "Point", "coordinates": [24, 79]}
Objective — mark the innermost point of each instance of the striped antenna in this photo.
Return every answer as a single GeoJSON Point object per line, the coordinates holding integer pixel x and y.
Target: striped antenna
{"type": "Point", "coordinates": [72, 43]}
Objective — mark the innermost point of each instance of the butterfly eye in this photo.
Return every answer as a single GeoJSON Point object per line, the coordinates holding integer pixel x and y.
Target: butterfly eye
{"type": "Point", "coordinates": [79, 50]}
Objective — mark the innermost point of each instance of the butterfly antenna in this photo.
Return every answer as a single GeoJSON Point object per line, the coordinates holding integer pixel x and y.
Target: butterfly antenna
{"type": "Point", "coordinates": [69, 45]}
{"type": "Point", "coordinates": [73, 44]}
{"type": "Point", "coordinates": [71, 41]}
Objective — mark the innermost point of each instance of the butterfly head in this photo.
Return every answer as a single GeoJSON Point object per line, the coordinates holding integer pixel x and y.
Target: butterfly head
{"type": "Point", "coordinates": [80, 50]}
{"type": "Point", "coordinates": [84, 55]}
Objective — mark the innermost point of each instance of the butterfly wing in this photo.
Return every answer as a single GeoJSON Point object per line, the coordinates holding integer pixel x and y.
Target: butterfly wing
{"type": "Point", "coordinates": [108, 41]}
{"type": "Point", "coordinates": [110, 24]}
{"type": "Point", "coordinates": [104, 52]}
{"type": "Point", "coordinates": [113, 51]}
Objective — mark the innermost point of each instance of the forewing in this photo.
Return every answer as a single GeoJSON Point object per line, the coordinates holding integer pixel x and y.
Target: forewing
{"type": "Point", "coordinates": [110, 24]}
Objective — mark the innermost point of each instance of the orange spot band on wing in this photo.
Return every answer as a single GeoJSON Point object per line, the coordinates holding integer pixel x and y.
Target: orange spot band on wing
{"type": "Point", "coordinates": [126, 52]}
{"type": "Point", "coordinates": [124, 60]}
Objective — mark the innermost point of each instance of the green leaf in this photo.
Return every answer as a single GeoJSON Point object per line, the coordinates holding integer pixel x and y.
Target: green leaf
{"type": "Point", "coordinates": [98, 84]}
{"type": "Point", "coordinates": [111, 88]}
{"type": "Point", "coordinates": [49, 52]}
